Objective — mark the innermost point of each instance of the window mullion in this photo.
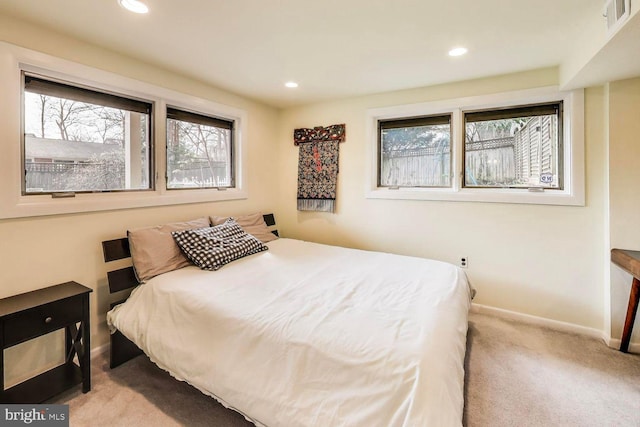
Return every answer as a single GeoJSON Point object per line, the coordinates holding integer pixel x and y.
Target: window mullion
{"type": "Point", "coordinates": [457, 138]}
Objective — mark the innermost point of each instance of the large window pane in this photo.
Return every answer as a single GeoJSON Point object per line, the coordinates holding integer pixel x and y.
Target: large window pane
{"type": "Point", "coordinates": [415, 152]}
{"type": "Point", "coordinates": [514, 148]}
{"type": "Point", "coordinates": [79, 140]}
{"type": "Point", "coordinates": [199, 151]}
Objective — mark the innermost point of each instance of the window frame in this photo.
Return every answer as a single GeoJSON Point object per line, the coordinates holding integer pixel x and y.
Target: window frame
{"type": "Point", "coordinates": [110, 99]}
{"type": "Point", "coordinates": [413, 122]}
{"type": "Point", "coordinates": [13, 204]}
{"type": "Point", "coordinates": [523, 110]}
{"type": "Point", "coordinates": [207, 120]}
{"type": "Point", "coordinates": [573, 193]}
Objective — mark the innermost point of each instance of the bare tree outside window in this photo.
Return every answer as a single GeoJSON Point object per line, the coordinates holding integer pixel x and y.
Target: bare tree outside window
{"type": "Point", "coordinates": [73, 144]}
{"type": "Point", "coordinates": [199, 155]}
{"type": "Point", "coordinates": [102, 171]}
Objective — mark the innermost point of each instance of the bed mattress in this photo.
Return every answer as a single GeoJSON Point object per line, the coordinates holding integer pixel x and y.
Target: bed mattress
{"type": "Point", "coordinates": [312, 335]}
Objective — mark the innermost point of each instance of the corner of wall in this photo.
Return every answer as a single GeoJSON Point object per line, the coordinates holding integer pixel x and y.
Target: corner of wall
{"type": "Point", "coordinates": [607, 225]}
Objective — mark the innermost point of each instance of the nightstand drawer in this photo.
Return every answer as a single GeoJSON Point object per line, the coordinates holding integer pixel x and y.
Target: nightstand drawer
{"type": "Point", "coordinates": [41, 320]}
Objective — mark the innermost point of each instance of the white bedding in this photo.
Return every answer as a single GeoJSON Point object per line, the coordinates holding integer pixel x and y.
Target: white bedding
{"type": "Point", "coordinates": [312, 335]}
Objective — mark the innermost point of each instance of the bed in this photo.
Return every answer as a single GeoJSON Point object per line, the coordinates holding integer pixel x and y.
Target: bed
{"type": "Point", "coordinates": [305, 334]}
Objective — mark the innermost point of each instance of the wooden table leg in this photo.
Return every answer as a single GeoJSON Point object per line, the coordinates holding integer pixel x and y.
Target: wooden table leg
{"type": "Point", "coordinates": [634, 296]}
{"type": "Point", "coordinates": [85, 364]}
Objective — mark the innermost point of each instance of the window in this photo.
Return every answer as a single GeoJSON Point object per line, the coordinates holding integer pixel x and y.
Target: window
{"type": "Point", "coordinates": [415, 152]}
{"type": "Point", "coordinates": [82, 140]}
{"type": "Point", "coordinates": [199, 151]}
{"type": "Point", "coordinates": [512, 147]}
{"type": "Point", "coordinates": [518, 147]}
{"type": "Point", "coordinates": [96, 160]}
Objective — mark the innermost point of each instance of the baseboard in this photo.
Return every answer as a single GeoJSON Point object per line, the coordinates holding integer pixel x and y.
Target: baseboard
{"type": "Point", "coordinates": [634, 347]}
{"type": "Point", "coordinates": [552, 324]}
{"type": "Point", "coordinates": [99, 351]}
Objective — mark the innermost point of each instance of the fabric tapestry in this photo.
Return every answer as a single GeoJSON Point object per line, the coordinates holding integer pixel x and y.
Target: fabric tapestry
{"type": "Point", "coordinates": [318, 166]}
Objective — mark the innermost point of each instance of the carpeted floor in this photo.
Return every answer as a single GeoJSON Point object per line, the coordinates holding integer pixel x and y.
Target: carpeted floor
{"type": "Point", "coordinates": [523, 375]}
{"type": "Point", "coordinates": [516, 375]}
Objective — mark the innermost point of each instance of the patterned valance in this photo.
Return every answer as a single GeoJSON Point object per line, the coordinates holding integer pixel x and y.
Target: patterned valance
{"type": "Point", "coordinates": [330, 133]}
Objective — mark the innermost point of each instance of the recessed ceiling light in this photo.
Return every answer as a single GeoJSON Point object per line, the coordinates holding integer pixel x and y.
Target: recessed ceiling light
{"type": "Point", "coordinates": [291, 85]}
{"type": "Point", "coordinates": [458, 51]}
{"type": "Point", "coordinates": [134, 6]}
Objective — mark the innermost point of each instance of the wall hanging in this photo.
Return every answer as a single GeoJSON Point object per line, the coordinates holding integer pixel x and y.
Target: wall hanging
{"type": "Point", "coordinates": [318, 166]}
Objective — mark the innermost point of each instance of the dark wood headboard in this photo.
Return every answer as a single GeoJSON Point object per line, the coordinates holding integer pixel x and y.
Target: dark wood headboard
{"type": "Point", "coordinates": [122, 349]}
{"type": "Point", "coordinates": [125, 278]}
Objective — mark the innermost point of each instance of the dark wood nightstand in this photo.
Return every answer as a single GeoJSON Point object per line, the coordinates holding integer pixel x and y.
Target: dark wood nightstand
{"type": "Point", "coordinates": [33, 314]}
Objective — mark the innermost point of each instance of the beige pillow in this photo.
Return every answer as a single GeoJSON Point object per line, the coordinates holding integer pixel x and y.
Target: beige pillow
{"type": "Point", "coordinates": [154, 251]}
{"type": "Point", "coordinates": [252, 224]}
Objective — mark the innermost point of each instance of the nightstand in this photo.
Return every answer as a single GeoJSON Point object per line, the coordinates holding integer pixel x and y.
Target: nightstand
{"type": "Point", "coordinates": [33, 314]}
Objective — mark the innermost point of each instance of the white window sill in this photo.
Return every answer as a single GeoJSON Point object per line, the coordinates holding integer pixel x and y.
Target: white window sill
{"type": "Point", "coordinates": [38, 205]}
{"type": "Point", "coordinates": [521, 196]}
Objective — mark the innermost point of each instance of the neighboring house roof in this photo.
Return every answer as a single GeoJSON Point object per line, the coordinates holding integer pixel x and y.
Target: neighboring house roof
{"type": "Point", "coordinates": [57, 149]}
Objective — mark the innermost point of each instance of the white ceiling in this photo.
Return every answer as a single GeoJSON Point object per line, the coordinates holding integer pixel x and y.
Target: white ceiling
{"type": "Point", "coordinates": [332, 48]}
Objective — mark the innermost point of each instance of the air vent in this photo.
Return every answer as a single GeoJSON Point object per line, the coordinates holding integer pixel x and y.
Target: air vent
{"type": "Point", "coordinates": [616, 12]}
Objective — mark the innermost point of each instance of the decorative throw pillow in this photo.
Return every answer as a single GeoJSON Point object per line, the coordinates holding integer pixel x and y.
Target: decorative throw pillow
{"type": "Point", "coordinates": [212, 247]}
{"type": "Point", "coordinates": [253, 224]}
{"type": "Point", "coordinates": [153, 250]}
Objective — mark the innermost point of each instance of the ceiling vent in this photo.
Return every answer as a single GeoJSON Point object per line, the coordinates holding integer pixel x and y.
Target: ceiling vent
{"type": "Point", "coordinates": [616, 12]}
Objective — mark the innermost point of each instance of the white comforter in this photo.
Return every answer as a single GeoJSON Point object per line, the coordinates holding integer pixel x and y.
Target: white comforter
{"type": "Point", "coordinates": [312, 335]}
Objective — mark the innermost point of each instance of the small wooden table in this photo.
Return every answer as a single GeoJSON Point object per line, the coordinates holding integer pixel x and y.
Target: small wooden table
{"type": "Point", "coordinates": [36, 313]}
{"type": "Point", "coordinates": [630, 262]}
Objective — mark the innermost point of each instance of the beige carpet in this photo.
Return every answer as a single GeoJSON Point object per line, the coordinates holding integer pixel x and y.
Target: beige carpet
{"type": "Point", "coordinates": [522, 375]}
{"type": "Point", "coordinates": [516, 375]}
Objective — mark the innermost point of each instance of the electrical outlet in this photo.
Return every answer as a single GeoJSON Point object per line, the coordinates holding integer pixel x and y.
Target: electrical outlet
{"type": "Point", "coordinates": [464, 262]}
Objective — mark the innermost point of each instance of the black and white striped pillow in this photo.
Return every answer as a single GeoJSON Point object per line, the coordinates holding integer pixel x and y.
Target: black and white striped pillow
{"type": "Point", "coordinates": [212, 247]}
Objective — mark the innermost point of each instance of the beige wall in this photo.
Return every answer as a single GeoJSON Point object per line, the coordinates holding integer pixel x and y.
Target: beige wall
{"type": "Point", "coordinates": [548, 261]}
{"type": "Point", "coordinates": [42, 251]}
{"type": "Point", "coordinates": [624, 190]}
{"type": "Point", "coordinates": [539, 260]}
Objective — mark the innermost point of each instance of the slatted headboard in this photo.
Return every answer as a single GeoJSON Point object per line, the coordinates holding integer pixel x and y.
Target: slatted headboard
{"type": "Point", "coordinates": [122, 349]}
